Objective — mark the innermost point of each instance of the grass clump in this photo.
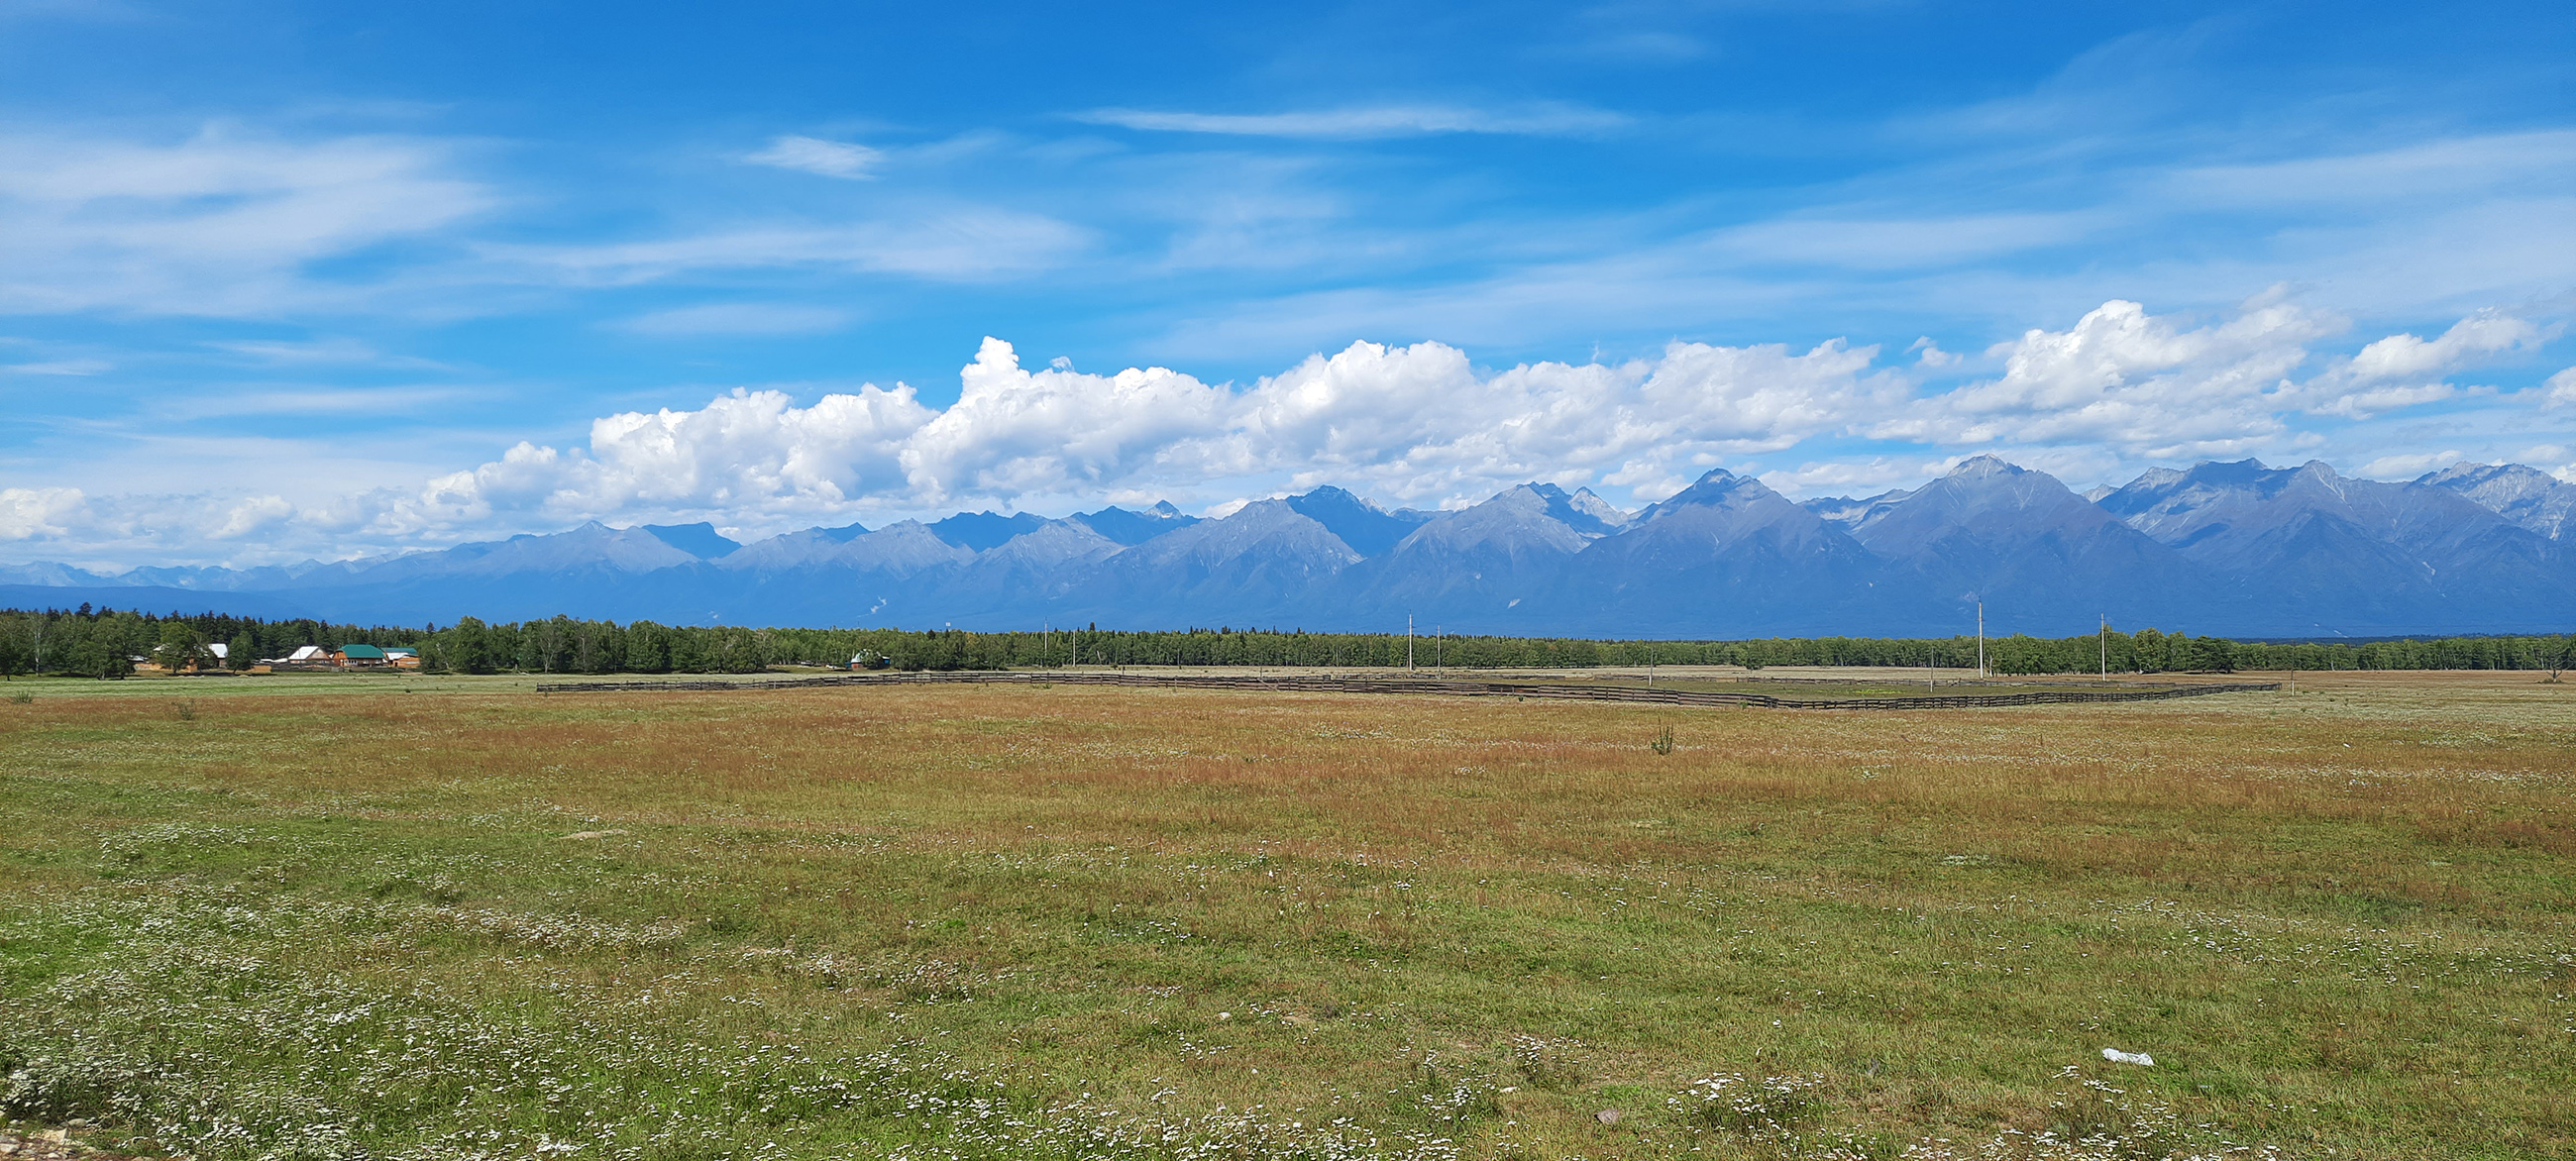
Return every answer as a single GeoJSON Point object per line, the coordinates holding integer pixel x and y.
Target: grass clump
{"type": "Point", "coordinates": [1553, 1063]}
{"type": "Point", "coordinates": [1753, 1105]}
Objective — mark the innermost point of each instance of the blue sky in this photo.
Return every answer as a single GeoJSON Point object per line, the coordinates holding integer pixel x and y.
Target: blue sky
{"type": "Point", "coordinates": [281, 281]}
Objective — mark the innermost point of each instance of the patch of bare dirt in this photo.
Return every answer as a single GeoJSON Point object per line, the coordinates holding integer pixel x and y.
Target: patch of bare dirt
{"type": "Point", "coordinates": [30, 1144]}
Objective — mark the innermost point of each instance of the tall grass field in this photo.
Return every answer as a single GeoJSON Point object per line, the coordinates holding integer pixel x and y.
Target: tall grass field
{"type": "Point", "coordinates": [454, 917]}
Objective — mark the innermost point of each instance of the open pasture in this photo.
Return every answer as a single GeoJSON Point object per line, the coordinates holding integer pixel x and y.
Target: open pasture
{"type": "Point", "coordinates": [441, 917]}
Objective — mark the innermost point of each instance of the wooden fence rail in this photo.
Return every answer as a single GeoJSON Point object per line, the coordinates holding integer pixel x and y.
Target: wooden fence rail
{"type": "Point", "coordinates": [1435, 686]}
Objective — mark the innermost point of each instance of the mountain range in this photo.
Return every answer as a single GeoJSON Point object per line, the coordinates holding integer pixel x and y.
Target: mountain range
{"type": "Point", "coordinates": [2239, 549]}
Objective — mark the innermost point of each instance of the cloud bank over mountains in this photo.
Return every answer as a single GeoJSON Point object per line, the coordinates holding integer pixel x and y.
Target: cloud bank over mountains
{"type": "Point", "coordinates": [2119, 390]}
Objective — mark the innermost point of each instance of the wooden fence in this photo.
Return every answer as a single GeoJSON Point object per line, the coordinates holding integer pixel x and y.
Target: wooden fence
{"type": "Point", "coordinates": [1434, 686]}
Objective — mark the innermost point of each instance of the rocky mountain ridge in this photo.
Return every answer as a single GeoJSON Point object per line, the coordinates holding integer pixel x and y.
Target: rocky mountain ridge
{"type": "Point", "coordinates": [2234, 548]}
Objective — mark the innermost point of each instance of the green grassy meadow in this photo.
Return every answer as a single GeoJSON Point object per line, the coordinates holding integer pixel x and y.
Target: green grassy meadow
{"type": "Point", "coordinates": [452, 917]}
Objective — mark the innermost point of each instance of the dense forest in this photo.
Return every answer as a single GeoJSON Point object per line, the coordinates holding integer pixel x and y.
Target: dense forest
{"type": "Point", "coordinates": [103, 643]}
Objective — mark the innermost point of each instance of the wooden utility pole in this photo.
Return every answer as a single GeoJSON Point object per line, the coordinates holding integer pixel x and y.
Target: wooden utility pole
{"type": "Point", "coordinates": [1981, 639]}
{"type": "Point", "coordinates": [1408, 642]}
{"type": "Point", "coordinates": [2106, 646]}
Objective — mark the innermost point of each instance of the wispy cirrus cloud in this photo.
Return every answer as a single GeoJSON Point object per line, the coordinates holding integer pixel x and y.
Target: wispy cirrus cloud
{"type": "Point", "coordinates": [962, 243]}
{"type": "Point", "coordinates": [1368, 122]}
{"type": "Point", "coordinates": [2536, 162]}
{"type": "Point", "coordinates": [320, 352]}
{"type": "Point", "coordinates": [1891, 242]}
{"type": "Point", "coordinates": [814, 155]}
{"type": "Point", "coordinates": [224, 222]}
{"type": "Point", "coordinates": [738, 318]}
{"type": "Point", "coordinates": [370, 402]}
{"type": "Point", "coordinates": [61, 367]}
{"type": "Point", "coordinates": [2447, 225]}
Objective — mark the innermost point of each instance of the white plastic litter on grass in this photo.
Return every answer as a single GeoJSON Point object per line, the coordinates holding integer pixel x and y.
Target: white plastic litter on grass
{"type": "Point", "coordinates": [2116, 1056]}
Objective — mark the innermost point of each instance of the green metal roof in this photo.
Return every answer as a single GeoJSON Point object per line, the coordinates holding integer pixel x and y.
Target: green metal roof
{"type": "Point", "coordinates": [362, 652]}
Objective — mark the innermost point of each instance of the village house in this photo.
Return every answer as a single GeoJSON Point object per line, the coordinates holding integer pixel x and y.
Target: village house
{"type": "Point", "coordinates": [303, 655]}
{"type": "Point", "coordinates": [358, 657]}
{"type": "Point", "coordinates": [157, 662]}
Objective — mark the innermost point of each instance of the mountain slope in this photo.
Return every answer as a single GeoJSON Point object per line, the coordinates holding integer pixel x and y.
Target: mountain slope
{"type": "Point", "coordinates": [978, 531]}
{"type": "Point", "coordinates": [1122, 526]}
{"type": "Point", "coordinates": [2311, 551]}
{"type": "Point", "coordinates": [1366, 528]}
{"type": "Point", "coordinates": [2236, 548]}
{"type": "Point", "coordinates": [2045, 560]}
{"type": "Point", "coordinates": [1262, 564]}
{"type": "Point", "coordinates": [2528, 498]}
{"type": "Point", "coordinates": [1470, 570]}
{"type": "Point", "coordinates": [1728, 556]}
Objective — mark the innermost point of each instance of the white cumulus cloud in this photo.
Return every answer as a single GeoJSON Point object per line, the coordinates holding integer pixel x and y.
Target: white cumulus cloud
{"type": "Point", "coordinates": [2152, 387]}
{"type": "Point", "coordinates": [2560, 390]}
{"type": "Point", "coordinates": [2408, 465]}
{"type": "Point", "coordinates": [26, 513]}
{"type": "Point", "coordinates": [2138, 382]}
{"type": "Point", "coordinates": [2472, 338]}
{"type": "Point", "coordinates": [1422, 424]}
{"type": "Point", "coordinates": [1013, 432]}
{"type": "Point", "coordinates": [1417, 423]}
{"type": "Point", "coordinates": [752, 454]}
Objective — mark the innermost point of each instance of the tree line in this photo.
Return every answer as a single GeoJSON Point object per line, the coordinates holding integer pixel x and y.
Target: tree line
{"type": "Point", "coordinates": [99, 642]}
{"type": "Point", "coordinates": [104, 643]}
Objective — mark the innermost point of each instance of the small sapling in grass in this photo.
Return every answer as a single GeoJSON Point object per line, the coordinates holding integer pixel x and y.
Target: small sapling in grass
{"type": "Point", "coordinates": [187, 708]}
{"type": "Point", "coordinates": [23, 698]}
{"type": "Point", "coordinates": [1663, 743]}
